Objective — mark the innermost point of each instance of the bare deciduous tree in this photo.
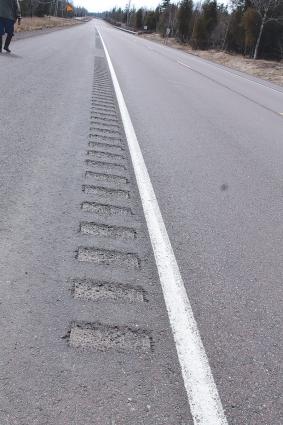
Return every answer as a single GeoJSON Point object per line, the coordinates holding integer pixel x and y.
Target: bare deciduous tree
{"type": "Point", "coordinates": [266, 10]}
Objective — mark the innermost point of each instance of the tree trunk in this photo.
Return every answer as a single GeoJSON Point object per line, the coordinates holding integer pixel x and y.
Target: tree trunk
{"type": "Point", "coordinates": [260, 34]}
{"type": "Point", "coordinates": [226, 35]}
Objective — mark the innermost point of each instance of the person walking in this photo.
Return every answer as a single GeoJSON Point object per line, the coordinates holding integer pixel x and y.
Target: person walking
{"type": "Point", "coordinates": [10, 13]}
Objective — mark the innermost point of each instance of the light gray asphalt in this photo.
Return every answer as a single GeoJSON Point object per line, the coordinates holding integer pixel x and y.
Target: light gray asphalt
{"type": "Point", "coordinates": [64, 359]}
{"type": "Point", "coordinates": [212, 140]}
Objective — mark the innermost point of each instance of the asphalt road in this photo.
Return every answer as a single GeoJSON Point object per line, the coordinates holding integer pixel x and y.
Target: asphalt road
{"type": "Point", "coordinates": [212, 142]}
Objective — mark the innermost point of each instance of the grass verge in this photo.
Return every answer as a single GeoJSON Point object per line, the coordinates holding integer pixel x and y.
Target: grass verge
{"type": "Point", "coordinates": [36, 23]}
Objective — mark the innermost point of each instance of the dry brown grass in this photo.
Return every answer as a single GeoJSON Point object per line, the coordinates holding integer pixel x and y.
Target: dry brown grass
{"type": "Point", "coordinates": [33, 24]}
{"type": "Point", "coordinates": [267, 70]}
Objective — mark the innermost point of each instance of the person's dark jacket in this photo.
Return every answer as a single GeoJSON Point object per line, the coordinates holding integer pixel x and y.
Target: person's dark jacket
{"type": "Point", "coordinates": [10, 9]}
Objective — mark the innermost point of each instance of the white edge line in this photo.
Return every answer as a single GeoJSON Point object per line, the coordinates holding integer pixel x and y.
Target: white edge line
{"type": "Point", "coordinates": [205, 404]}
{"type": "Point", "coordinates": [183, 64]}
{"type": "Point", "coordinates": [232, 72]}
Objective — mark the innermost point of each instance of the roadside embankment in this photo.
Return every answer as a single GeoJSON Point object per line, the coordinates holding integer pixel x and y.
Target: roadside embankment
{"type": "Point", "coordinates": [36, 25]}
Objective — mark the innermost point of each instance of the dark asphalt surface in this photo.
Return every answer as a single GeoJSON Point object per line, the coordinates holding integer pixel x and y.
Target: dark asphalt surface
{"type": "Point", "coordinates": [212, 142]}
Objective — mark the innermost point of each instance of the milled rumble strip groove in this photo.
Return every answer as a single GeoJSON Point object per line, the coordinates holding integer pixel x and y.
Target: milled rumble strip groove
{"type": "Point", "coordinates": [99, 105]}
{"type": "Point", "coordinates": [107, 231]}
{"type": "Point", "coordinates": [103, 145]}
{"type": "Point", "coordinates": [104, 118]}
{"type": "Point", "coordinates": [106, 209]}
{"type": "Point", "coordinates": [99, 88]}
{"type": "Point", "coordinates": [102, 337]}
{"type": "Point", "coordinates": [107, 138]}
{"type": "Point", "coordinates": [103, 115]}
{"type": "Point", "coordinates": [93, 290]}
{"type": "Point", "coordinates": [105, 165]}
{"type": "Point", "coordinates": [102, 94]}
{"type": "Point", "coordinates": [105, 191]}
{"type": "Point", "coordinates": [104, 130]}
{"type": "Point", "coordinates": [102, 81]}
{"type": "Point", "coordinates": [102, 124]}
{"type": "Point", "coordinates": [102, 88]}
{"type": "Point", "coordinates": [106, 257]}
{"type": "Point", "coordinates": [204, 400]}
{"type": "Point", "coordinates": [106, 177]}
{"type": "Point", "coordinates": [110, 110]}
{"type": "Point", "coordinates": [102, 154]}
{"type": "Point", "coordinates": [103, 84]}
{"type": "Point", "coordinates": [104, 103]}
{"type": "Point", "coordinates": [103, 99]}
{"type": "Point", "coordinates": [105, 111]}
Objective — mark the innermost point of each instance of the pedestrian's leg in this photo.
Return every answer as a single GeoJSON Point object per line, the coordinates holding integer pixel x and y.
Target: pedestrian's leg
{"type": "Point", "coordinates": [7, 43]}
{"type": "Point", "coordinates": [2, 32]}
{"type": "Point", "coordinates": [9, 29]}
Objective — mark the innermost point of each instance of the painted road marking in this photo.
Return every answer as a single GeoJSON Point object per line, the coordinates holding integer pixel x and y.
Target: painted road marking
{"type": "Point", "coordinates": [183, 64]}
{"type": "Point", "coordinates": [205, 403]}
{"type": "Point", "coordinates": [233, 73]}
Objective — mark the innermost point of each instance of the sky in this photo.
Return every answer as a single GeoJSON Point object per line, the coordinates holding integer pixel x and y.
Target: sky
{"type": "Point", "coordinates": [102, 5]}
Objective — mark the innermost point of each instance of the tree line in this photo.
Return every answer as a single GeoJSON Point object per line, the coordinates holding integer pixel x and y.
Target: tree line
{"type": "Point", "coordinates": [253, 28]}
{"type": "Point", "coordinates": [50, 7]}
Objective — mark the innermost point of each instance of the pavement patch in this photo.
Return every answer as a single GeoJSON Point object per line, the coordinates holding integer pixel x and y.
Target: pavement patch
{"type": "Point", "coordinates": [106, 209]}
{"type": "Point", "coordinates": [117, 194]}
{"type": "Point", "coordinates": [105, 230]}
{"type": "Point", "coordinates": [92, 290]}
{"type": "Point", "coordinates": [97, 336]}
{"type": "Point", "coordinates": [107, 257]}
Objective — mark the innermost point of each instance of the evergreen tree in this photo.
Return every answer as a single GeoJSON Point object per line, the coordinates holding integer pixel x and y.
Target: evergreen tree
{"type": "Point", "coordinates": [139, 19]}
{"type": "Point", "coordinates": [184, 18]}
{"type": "Point", "coordinates": [210, 15]}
